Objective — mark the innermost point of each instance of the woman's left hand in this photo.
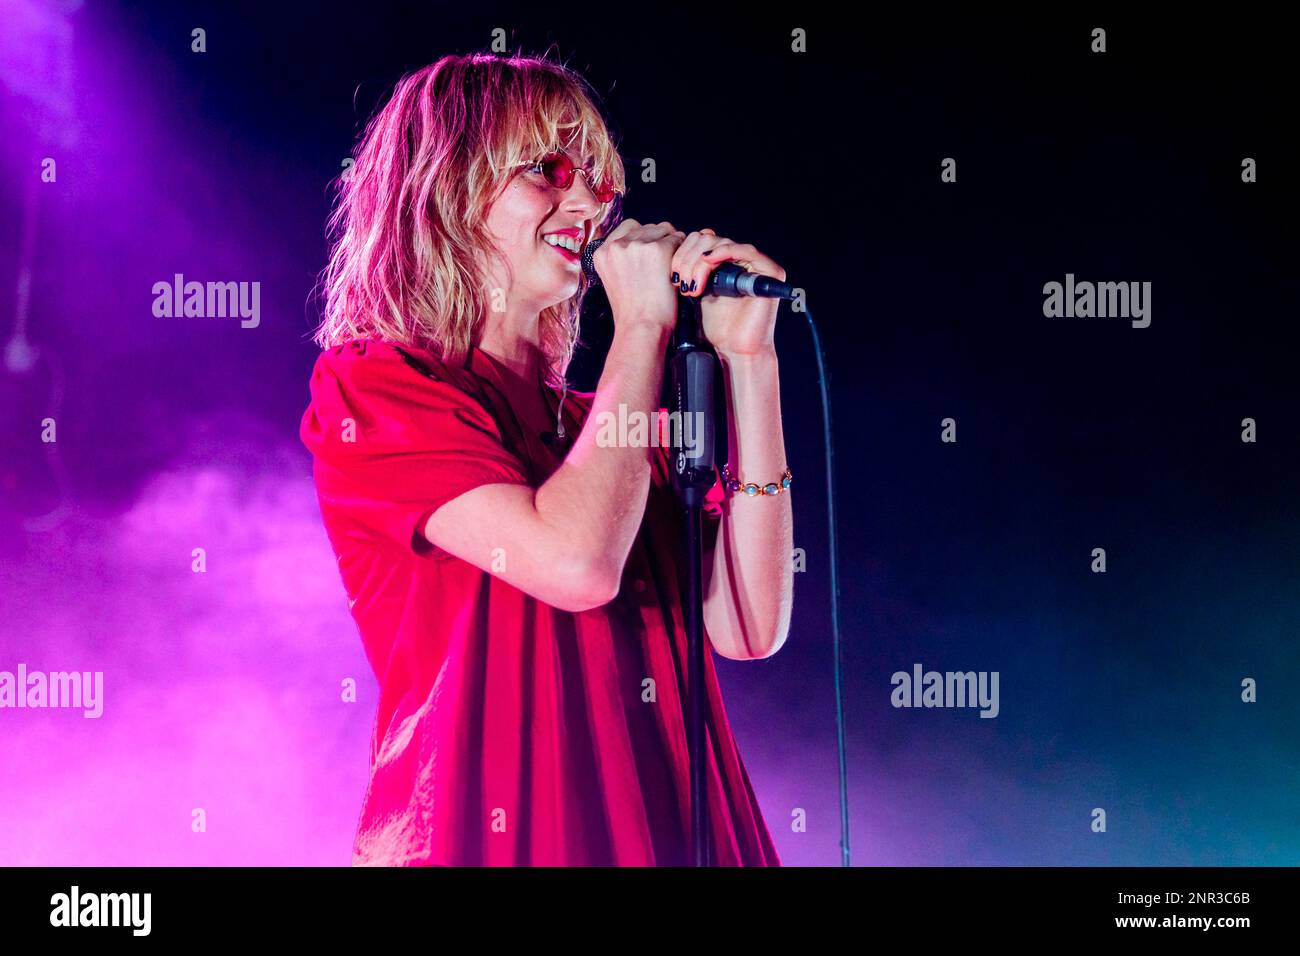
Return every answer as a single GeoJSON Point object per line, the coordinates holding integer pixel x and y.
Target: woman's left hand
{"type": "Point", "coordinates": [741, 325]}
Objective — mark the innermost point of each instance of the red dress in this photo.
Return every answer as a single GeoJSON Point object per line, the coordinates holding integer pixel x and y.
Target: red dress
{"type": "Point", "coordinates": [508, 732]}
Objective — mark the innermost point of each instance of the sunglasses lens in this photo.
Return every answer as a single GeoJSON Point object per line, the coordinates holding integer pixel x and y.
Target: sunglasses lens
{"type": "Point", "coordinates": [601, 190]}
{"type": "Point", "coordinates": [558, 170]}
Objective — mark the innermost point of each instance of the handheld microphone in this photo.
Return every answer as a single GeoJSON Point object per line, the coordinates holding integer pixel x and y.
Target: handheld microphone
{"type": "Point", "coordinates": [726, 279]}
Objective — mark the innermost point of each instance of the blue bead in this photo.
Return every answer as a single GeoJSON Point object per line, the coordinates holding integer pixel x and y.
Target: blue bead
{"type": "Point", "coordinates": [785, 482]}
{"type": "Point", "coordinates": [751, 490]}
{"type": "Point", "coordinates": [771, 489]}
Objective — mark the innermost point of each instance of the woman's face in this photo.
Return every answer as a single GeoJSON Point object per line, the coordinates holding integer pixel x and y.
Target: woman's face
{"type": "Point", "coordinates": [529, 208]}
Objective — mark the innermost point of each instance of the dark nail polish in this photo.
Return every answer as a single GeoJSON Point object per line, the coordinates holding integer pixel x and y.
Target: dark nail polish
{"type": "Point", "coordinates": [681, 286]}
{"type": "Point", "coordinates": [692, 285]}
{"type": "Point", "coordinates": [675, 278]}
{"type": "Point", "coordinates": [706, 252]}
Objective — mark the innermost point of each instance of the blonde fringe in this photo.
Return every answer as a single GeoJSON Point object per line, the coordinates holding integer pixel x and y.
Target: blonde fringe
{"type": "Point", "coordinates": [409, 242]}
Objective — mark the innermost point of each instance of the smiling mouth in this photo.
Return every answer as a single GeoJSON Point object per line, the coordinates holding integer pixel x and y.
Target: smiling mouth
{"type": "Point", "coordinates": [567, 253]}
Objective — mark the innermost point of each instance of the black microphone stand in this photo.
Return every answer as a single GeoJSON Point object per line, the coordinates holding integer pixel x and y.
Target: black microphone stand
{"type": "Point", "coordinates": [693, 370]}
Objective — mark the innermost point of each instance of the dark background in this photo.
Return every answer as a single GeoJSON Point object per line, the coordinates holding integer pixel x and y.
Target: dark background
{"type": "Point", "coordinates": [1118, 690]}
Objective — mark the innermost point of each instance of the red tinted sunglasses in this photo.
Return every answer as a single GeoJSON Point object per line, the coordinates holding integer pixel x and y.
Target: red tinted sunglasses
{"type": "Point", "coordinates": [558, 169]}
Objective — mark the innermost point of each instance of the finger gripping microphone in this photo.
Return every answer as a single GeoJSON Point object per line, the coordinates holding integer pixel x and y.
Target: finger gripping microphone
{"type": "Point", "coordinates": [726, 279]}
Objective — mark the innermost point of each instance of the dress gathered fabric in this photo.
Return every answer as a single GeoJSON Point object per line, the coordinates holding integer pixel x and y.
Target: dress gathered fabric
{"type": "Point", "coordinates": [508, 732]}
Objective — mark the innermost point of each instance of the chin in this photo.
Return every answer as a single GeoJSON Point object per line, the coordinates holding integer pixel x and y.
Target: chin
{"type": "Point", "coordinates": [564, 293]}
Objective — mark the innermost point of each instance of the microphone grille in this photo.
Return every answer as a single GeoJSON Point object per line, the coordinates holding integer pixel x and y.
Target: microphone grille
{"type": "Point", "coordinates": [588, 266]}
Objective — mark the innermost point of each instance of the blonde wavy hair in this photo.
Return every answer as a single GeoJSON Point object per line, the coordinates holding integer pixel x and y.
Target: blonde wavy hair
{"type": "Point", "coordinates": [408, 232]}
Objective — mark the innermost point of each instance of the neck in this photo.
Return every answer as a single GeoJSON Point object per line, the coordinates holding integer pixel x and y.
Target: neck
{"type": "Point", "coordinates": [516, 348]}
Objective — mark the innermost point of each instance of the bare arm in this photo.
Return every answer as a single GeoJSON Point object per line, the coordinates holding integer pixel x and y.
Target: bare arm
{"type": "Point", "coordinates": [749, 582]}
{"type": "Point", "coordinates": [566, 542]}
{"type": "Point", "coordinates": [749, 587]}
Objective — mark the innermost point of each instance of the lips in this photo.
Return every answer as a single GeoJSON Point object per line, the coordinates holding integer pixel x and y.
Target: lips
{"type": "Point", "coordinates": [571, 256]}
{"type": "Point", "coordinates": [574, 234]}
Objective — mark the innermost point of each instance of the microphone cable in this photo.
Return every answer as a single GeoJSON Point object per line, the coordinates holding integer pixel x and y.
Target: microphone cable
{"type": "Point", "coordinates": [823, 381]}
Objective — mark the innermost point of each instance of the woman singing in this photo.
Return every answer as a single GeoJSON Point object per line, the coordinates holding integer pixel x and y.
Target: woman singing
{"type": "Point", "coordinates": [517, 583]}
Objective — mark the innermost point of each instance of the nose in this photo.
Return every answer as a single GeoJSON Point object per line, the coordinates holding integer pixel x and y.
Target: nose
{"type": "Point", "coordinates": [581, 198]}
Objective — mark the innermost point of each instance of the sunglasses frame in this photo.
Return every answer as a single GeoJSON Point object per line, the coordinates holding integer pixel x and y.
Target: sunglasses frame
{"type": "Point", "coordinates": [574, 169]}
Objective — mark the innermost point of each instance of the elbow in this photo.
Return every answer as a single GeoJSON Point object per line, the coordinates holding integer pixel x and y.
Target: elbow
{"type": "Point", "coordinates": [749, 637]}
{"type": "Point", "coordinates": [757, 643]}
{"type": "Point", "coordinates": [762, 650]}
{"type": "Point", "coordinates": [771, 647]}
{"type": "Point", "coordinates": [588, 585]}
{"type": "Point", "coordinates": [776, 629]}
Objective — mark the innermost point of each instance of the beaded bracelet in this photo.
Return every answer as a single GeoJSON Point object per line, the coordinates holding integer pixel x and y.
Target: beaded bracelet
{"type": "Point", "coordinates": [771, 488]}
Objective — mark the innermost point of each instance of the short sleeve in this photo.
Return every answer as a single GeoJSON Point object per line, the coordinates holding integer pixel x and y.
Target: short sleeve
{"type": "Point", "coordinates": [392, 445]}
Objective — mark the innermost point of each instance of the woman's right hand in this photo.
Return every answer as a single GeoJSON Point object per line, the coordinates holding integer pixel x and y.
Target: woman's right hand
{"type": "Point", "coordinates": [635, 267]}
